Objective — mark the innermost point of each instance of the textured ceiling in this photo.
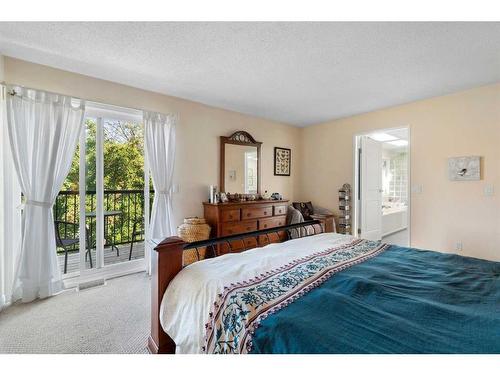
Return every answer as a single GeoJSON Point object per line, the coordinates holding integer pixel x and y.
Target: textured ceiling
{"type": "Point", "coordinates": [297, 73]}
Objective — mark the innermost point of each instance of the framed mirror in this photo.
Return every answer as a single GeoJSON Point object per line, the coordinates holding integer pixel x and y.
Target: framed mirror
{"type": "Point", "coordinates": [240, 164]}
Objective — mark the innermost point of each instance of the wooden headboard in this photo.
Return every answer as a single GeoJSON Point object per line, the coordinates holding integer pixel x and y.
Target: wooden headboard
{"type": "Point", "coordinates": [167, 262]}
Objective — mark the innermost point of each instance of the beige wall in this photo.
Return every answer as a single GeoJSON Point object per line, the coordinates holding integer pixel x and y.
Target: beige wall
{"type": "Point", "coordinates": [197, 155]}
{"type": "Point", "coordinates": [465, 123]}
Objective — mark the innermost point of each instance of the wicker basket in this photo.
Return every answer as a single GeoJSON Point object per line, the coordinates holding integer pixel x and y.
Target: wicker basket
{"type": "Point", "coordinates": [194, 229]}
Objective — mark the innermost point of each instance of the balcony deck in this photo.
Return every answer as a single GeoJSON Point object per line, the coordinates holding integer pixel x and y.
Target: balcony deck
{"type": "Point", "coordinates": [110, 256]}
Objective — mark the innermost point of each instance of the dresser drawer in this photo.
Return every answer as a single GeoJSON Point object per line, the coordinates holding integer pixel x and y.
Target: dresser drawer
{"type": "Point", "coordinates": [280, 210]}
{"type": "Point", "coordinates": [272, 222]}
{"type": "Point", "coordinates": [256, 212]}
{"type": "Point", "coordinates": [230, 215]}
{"type": "Point", "coordinates": [237, 228]}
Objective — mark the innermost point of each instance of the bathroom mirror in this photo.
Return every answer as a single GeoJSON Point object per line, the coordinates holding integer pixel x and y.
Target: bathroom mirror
{"type": "Point", "coordinates": [240, 164]}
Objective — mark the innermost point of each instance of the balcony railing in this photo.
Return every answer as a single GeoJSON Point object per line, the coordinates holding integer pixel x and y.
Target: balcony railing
{"type": "Point", "coordinates": [128, 207]}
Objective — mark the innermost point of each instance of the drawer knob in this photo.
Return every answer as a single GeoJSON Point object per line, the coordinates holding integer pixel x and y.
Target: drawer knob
{"type": "Point", "coordinates": [265, 225]}
{"type": "Point", "coordinates": [265, 212]}
{"type": "Point", "coordinates": [249, 228]}
{"type": "Point", "coordinates": [249, 214]}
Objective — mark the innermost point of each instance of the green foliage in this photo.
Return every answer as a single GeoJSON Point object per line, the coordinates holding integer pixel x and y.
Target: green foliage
{"type": "Point", "coordinates": [123, 157]}
{"type": "Point", "coordinates": [123, 161]}
{"type": "Point", "coordinates": [123, 148]}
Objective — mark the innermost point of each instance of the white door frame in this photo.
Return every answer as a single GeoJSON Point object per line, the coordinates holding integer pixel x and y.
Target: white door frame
{"type": "Point", "coordinates": [99, 188]}
{"type": "Point", "coordinates": [355, 174]}
{"type": "Point", "coordinates": [371, 188]}
{"type": "Point", "coordinates": [98, 112]}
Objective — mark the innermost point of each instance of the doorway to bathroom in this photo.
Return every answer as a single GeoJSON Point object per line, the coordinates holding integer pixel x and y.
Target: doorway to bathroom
{"type": "Point", "coordinates": [381, 184]}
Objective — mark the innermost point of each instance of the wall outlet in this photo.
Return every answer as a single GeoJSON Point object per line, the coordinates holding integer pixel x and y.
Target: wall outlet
{"type": "Point", "coordinates": [175, 188]}
{"type": "Point", "coordinates": [459, 246]}
{"type": "Point", "coordinates": [489, 190]}
{"type": "Point", "coordinates": [417, 189]}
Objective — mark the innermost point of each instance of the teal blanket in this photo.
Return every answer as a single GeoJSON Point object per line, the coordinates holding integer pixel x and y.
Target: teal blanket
{"type": "Point", "coordinates": [400, 301]}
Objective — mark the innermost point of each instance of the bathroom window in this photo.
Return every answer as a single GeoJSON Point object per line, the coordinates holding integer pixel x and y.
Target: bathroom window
{"type": "Point", "coordinates": [395, 178]}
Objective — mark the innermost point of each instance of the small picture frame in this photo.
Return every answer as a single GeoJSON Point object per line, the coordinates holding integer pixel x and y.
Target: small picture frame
{"type": "Point", "coordinates": [464, 168]}
{"type": "Point", "coordinates": [282, 161]}
{"type": "Point", "coordinates": [223, 197]}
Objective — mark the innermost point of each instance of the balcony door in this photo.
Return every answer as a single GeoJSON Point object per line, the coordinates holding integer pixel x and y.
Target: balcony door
{"type": "Point", "coordinates": [107, 186]}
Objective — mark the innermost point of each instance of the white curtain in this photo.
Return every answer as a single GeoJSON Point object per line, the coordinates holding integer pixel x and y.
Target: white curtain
{"type": "Point", "coordinates": [160, 146]}
{"type": "Point", "coordinates": [43, 131]}
{"type": "Point", "coordinates": [10, 216]}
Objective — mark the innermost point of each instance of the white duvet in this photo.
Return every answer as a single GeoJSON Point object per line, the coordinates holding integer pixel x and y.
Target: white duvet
{"type": "Point", "coordinates": [187, 301]}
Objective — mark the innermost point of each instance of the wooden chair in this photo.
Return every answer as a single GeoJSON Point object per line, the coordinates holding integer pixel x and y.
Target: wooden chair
{"type": "Point", "coordinates": [70, 243]}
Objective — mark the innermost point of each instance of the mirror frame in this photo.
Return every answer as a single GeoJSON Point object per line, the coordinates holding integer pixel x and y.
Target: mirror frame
{"type": "Point", "coordinates": [241, 138]}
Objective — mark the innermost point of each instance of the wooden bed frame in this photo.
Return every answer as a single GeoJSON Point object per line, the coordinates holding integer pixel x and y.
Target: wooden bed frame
{"type": "Point", "coordinates": [167, 262]}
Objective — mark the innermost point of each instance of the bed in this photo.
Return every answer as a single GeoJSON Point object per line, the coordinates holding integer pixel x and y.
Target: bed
{"type": "Point", "coordinates": [323, 293]}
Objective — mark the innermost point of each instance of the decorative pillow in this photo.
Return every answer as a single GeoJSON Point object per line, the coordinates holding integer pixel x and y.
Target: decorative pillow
{"type": "Point", "coordinates": [305, 208]}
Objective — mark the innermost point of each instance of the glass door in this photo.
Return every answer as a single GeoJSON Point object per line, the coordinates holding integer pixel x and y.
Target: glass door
{"type": "Point", "coordinates": [123, 194]}
{"type": "Point", "coordinates": [104, 200]}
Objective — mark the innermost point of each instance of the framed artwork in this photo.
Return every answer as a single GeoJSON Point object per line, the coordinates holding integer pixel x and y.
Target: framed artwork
{"type": "Point", "coordinates": [282, 161]}
{"type": "Point", "coordinates": [464, 168]}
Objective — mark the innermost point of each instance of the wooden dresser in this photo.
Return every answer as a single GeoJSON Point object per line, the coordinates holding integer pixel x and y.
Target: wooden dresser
{"type": "Point", "coordinates": [230, 218]}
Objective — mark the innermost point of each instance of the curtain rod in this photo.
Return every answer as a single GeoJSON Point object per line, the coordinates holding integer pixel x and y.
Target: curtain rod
{"type": "Point", "coordinates": [5, 84]}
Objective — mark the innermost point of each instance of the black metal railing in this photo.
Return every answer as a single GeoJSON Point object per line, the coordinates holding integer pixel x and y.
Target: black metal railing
{"type": "Point", "coordinates": [123, 210]}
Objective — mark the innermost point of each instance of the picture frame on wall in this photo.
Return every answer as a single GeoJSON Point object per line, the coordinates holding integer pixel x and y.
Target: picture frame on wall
{"type": "Point", "coordinates": [464, 168]}
{"type": "Point", "coordinates": [282, 161]}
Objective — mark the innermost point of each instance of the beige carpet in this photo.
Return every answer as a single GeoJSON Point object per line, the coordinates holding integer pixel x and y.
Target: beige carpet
{"type": "Point", "coordinates": [114, 318]}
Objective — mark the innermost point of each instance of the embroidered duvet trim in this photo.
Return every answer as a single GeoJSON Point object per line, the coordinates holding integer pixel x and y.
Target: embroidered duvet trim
{"type": "Point", "coordinates": [240, 308]}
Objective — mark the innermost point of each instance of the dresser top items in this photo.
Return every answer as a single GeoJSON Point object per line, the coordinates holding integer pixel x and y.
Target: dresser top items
{"type": "Point", "coordinates": [246, 203]}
